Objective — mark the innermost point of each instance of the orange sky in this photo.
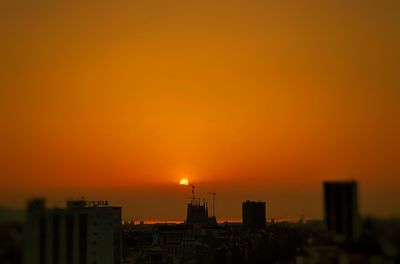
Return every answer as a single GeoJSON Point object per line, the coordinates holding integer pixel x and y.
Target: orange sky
{"type": "Point", "coordinates": [252, 99]}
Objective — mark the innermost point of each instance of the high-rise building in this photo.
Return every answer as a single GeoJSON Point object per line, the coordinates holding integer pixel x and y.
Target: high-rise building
{"type": "Point", "coordinates": [82, 233]}
{"type": "Point", "coordinates": [341, 210]}
{"type": "Point", "coordinates": [253, 214]}
{"type": "Point", "coordinates": [197, 213]}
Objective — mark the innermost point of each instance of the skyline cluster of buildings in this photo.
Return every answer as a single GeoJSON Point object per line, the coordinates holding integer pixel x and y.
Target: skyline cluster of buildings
{"type": "Point", "coordinates": [91, 232]}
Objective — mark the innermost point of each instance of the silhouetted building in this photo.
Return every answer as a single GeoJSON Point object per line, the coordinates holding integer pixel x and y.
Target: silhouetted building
{"type": "Point", "coordinates": [197, 213]}
{"type": "Point", "coordinates": [253, 214]}
{"type": "Point", "coordinates": [341, 210]}
{"type": "Point", "coordinates": [81, 233]}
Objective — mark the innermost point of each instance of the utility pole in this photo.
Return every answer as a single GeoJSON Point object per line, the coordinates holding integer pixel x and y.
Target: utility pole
{"type": "Point", "coordinates": [213, 194]}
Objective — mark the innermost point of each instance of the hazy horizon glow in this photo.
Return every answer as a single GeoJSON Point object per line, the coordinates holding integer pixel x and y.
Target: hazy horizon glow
{"type": "Point", "coordinates": [253, 100]}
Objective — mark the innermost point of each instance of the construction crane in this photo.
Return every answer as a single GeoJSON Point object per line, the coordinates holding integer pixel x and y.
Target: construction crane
{"type": "Point", "coordinates": [185, 181]}
{"type": "Point", "coordinates": [213, 194]}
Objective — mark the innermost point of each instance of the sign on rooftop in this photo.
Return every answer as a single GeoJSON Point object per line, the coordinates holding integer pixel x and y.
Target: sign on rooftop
{"type": "Point", "coordinates": [98, 203]}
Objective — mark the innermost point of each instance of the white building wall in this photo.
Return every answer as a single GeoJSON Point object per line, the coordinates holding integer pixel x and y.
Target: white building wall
{"type": "Point", "coordinates": [100, 235]}
{"type": "Point", "coordinates": [102, 224]}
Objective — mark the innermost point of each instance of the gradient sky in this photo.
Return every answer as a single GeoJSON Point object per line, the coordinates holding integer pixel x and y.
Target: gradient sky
{"type": "Point", "coordinates": [251, 99]}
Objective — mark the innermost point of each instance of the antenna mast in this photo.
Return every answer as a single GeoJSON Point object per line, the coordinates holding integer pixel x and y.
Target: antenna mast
{"type": "Point", "coordinates": [193, 197]}
{"type": "Point", "coordinates": [213, 194]}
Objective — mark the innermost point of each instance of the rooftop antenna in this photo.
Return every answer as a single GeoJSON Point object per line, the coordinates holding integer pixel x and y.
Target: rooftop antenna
{"type": "Point", "coordinates": [213, 194]}
{"type": "Point", "coordinates": [193, 198]}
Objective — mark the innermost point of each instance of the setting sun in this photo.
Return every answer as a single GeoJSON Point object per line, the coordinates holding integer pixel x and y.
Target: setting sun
{"type": "Point", "coordinates": [253, 100]}
{"type": "Point", "coordinates": [184, 181]}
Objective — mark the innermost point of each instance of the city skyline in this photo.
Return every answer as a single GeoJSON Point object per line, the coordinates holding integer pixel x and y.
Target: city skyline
{"type": "Point", "coordinates": [165, 207]}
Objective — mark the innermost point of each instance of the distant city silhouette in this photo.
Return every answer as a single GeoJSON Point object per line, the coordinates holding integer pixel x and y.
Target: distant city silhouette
{"type": "Point", "coordinates": [91, 232]}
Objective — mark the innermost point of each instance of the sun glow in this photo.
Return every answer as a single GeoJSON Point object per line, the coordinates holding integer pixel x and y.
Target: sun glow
{"type": "Point", "coordinates": [184, 181]}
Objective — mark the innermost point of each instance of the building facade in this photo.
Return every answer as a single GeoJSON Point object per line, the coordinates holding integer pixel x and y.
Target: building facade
{"type": "Point", "coordinates": [197, 213]}
{"type": "Point", "coordinates": [253, 214]}
{"type": "Point", "coordinates": [341, 210]}
{"type": "Point", "coordinates": [81, 233]}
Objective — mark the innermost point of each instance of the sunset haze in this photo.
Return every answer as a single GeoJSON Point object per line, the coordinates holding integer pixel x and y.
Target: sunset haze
{"type": "Point", "coordinates": [260, 100]}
